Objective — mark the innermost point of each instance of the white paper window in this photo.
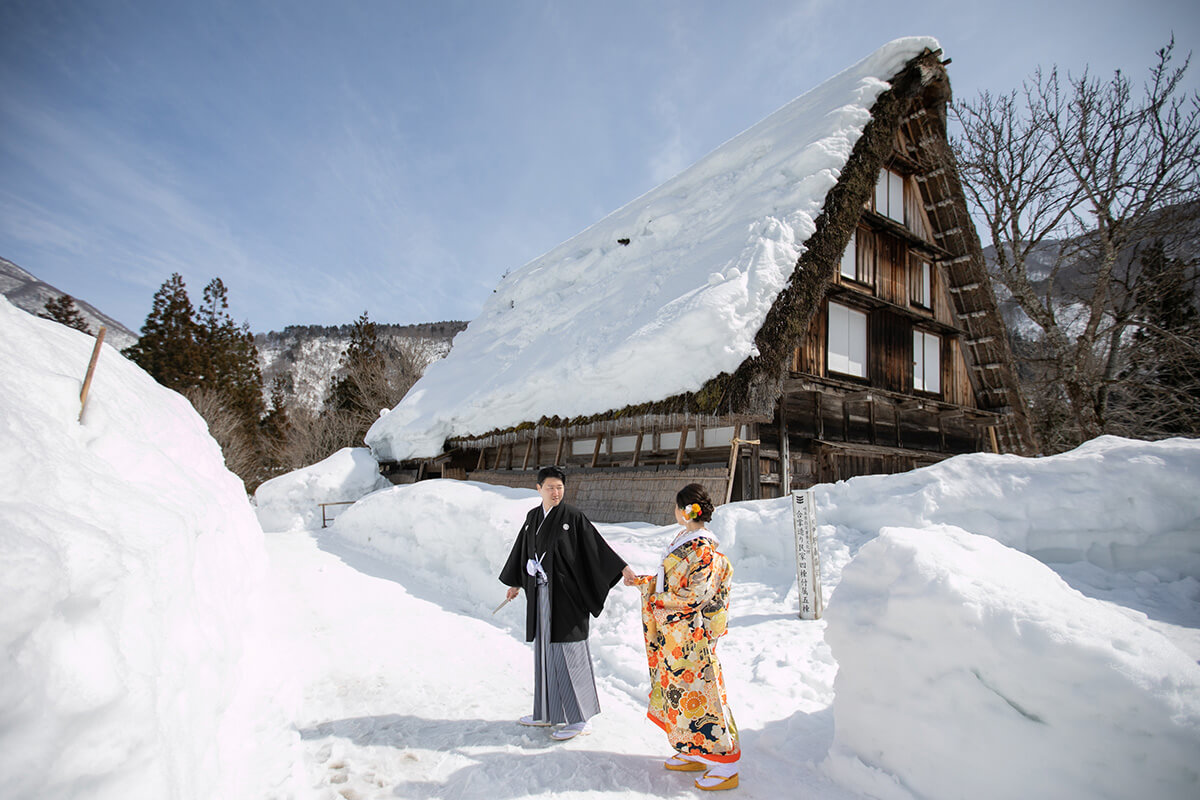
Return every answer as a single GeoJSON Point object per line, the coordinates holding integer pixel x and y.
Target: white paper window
{"type": "Point", "coordinates": [847, 341]}
{"type": "Point", "coordinates": [718, 437]}
{"type": "Point", "coordinates": [583, 447]}
{"type": "Point", "coordinates": [624, 444]}
{"type": "Point", "coordinates": [670, 441]}
{"type": "Point", "coordinates": [850, 259]}
{"type": "Point", "coordinates": [889, 195]}
{"type": "Point", "coordinates": [927, 362]}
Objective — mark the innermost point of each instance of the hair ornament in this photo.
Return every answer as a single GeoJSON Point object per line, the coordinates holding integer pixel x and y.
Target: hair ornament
{"type": "Point", "coordinates": [692, 511]}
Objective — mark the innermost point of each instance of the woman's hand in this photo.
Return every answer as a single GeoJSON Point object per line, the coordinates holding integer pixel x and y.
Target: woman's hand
{"type": "Point", "coordinates": [512, 592]}
{"type": "Point", "coordinates": [631, 578]}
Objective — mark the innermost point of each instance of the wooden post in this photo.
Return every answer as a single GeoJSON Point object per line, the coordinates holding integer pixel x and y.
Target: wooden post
{"type": "Point", "coordinates": [871, 415]}
{"type": "Point", "coordinates": [733, 459]}
{"type": "Point", "coordinates": [992, 436]}
{"type": "Point", "coordinates": [637, 448]}
{"type": "Point", "coordinates": [482, 459]}
{"type": "Point", "coordinates": [820, 421]}
{"type": "Point", "coordinates": [683, 432]}
{"type": "Point", "coordinates": [562, 438]}
{"type": "Point", "coordinates": [845, 420]}
{"type": "Point", "coordinates": [896, 419]}
{"type": "Point", "coordinates": [528, 450]}
{"type": "Point", "coordinates": [785, 451]}
{"type": "Point", "coordinates": [87, 380]}
{"type": "Point", "coordinates": [596, 450]}
{"type": "Point", "coordinates": [756, 464]}
{"type": "Point", "coordinates": [808, 561]}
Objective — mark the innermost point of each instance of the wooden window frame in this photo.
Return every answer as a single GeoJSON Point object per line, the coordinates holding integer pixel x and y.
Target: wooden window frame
{"type": "Point", "coordinates": [919, 336]}
{"type": "Point", "coordinates": [866, 340]}
{"type": "Point", "coordinates": [920, 291]}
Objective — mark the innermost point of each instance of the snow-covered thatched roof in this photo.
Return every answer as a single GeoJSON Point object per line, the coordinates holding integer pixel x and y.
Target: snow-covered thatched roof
{"type": "Point", "coordinates": [598, 324]}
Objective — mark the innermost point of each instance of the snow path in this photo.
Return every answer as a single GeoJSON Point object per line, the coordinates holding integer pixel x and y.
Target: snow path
{"type": "Point", "coordinates": [403, 698]}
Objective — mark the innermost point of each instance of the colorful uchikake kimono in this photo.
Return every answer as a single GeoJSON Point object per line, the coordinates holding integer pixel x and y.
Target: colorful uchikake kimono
{"type": "Point", "coordinates": [684, 611]}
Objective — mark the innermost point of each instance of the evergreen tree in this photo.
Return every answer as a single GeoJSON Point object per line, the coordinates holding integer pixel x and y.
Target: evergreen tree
{"type": "Point", "coordinates": [168, 347]}
{"type": "Point", "coordinates": [62, 309]}
{"type": "Point", "coordinates": [361, 365]}
{"type": "Point", "coordinates": [276, 426]}
{"type": "Point", "coordinates": [228, 356]}
{"type": "Point", "coordinates": [214, 362]}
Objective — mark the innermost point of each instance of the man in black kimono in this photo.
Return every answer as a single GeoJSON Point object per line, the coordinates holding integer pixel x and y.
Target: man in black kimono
{"type": "Point", "coordinates": [566, 569]}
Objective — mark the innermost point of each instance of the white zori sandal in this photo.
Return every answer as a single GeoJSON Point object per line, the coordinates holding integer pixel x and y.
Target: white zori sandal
{"type": "Point", "coordinates": [572, 730]}
{"type": "Point", "coordinates": [719, 777]}
{"type": "Point", "coordinates": [529, 720]}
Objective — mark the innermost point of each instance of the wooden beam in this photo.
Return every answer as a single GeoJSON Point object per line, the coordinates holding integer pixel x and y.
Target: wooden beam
{"type": "Point", "coordinates": [896, 419]}
{"type": "Point", "coordinates": [637, 448]}
{"type": "Point", "coordinates": [871, 418]}
{"type": "Point", "coordinates": [819, 413]}
{"type": "Point", "coordinates": [845, 420]}
{"type": "Point", "coordinates": [756, 464]}
{"type": "Point", "coordinates": [596, 450]}
{"type": "Point", "coordinates": [482, 458]}
{"type": "Point", "coordinates": [562, 438]}
{"type": "Point", "coordinates": [785, 455]}
{"type": "Point", "coordinates": [528, 450]}
{"type": "Point", "coordinates": [733, 459]}
{"type": "Point", "coordinates": [683, 432]}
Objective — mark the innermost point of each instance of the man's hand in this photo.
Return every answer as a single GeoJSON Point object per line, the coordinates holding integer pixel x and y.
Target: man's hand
{"type": "Point", "coordinates": [512, 592]}
{"type": "Point", "coordinates": [631, 577]}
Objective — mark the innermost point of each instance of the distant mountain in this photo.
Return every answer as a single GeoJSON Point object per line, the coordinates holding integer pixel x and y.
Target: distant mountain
{"type": "Point", "coordinates": [27, 292]}
{"type": "Point", "coordinates": [311, 353]}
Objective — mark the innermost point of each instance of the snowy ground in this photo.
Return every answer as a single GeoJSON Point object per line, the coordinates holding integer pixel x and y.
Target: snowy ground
{"type": "Point", "coordinates": [405, 698]}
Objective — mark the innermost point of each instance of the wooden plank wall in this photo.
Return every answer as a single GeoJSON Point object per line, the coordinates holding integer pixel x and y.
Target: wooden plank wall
{"type": "Point", "coordinates": [622, 495]}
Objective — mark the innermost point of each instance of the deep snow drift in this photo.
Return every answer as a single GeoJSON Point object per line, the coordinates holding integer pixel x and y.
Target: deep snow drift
{"type": "Point", "coordinates": [132, 566]}
{"type": "Point", "coordinates": [595, 324]}
{"type": "Point", "coordinates": [964, 666]}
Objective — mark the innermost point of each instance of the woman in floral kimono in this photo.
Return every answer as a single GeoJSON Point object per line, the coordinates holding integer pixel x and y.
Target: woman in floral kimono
{"type": "Point", "coordinates": [684, 609]}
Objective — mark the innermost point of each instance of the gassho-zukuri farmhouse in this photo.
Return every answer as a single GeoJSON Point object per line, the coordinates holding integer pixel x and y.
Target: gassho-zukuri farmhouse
{"type": "Point", "coordinates": [806, 303]}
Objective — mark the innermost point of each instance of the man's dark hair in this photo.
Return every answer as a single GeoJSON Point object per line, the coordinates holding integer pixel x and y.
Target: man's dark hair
{"type": "Point", "coordinates": [551, 472]}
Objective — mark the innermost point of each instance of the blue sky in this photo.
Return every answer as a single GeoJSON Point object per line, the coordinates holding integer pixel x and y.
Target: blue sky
{"type": "Point", "coordinates": [326, 158]}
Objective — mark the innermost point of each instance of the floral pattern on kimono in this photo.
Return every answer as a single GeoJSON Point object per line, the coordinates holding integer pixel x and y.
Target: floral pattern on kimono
{"type": "Point", "coordinates": [681, 626]}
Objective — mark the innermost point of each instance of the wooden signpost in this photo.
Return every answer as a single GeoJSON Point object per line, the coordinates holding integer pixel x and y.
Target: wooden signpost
{"type": "Point", "coordinates": [808, 562]}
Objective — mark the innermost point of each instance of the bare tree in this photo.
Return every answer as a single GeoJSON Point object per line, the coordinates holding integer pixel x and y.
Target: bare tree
{"type": "Point", "coordinates": [228, 426]}
{"type": "Point", "coordinates": [1099, 170]}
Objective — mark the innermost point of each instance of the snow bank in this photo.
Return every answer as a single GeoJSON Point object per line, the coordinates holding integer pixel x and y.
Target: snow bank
{"type": "Point", "coordinates": [453, 535]}
{"type": "Point", "coordinates": [290, 501]}
{"type": "Point", "coordinates": [967, 669]}
{"type": "Point", "coordinates": [131, 569]}
{"type": "Point", "coordinates": [594, 324]}
{"type": "Point", "coordinates": [1120, 504]}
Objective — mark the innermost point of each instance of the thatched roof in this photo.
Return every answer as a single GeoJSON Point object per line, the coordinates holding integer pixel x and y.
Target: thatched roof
{"type": "Point", "coordinates": [691, 298]}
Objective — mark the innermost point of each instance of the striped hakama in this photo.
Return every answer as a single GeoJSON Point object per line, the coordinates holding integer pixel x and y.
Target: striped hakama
{"type": "Point", "coordinates": [564, 687]}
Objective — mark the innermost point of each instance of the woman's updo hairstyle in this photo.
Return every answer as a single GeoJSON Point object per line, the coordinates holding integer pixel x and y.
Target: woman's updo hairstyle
{"type": "Point", "coordinates": [694, 495]}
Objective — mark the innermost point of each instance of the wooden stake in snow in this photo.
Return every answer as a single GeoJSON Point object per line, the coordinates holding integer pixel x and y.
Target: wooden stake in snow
{"type": "Point", "coordinates": [808, 562]}
{"type": "Point", "coordinates": [87, 381]}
